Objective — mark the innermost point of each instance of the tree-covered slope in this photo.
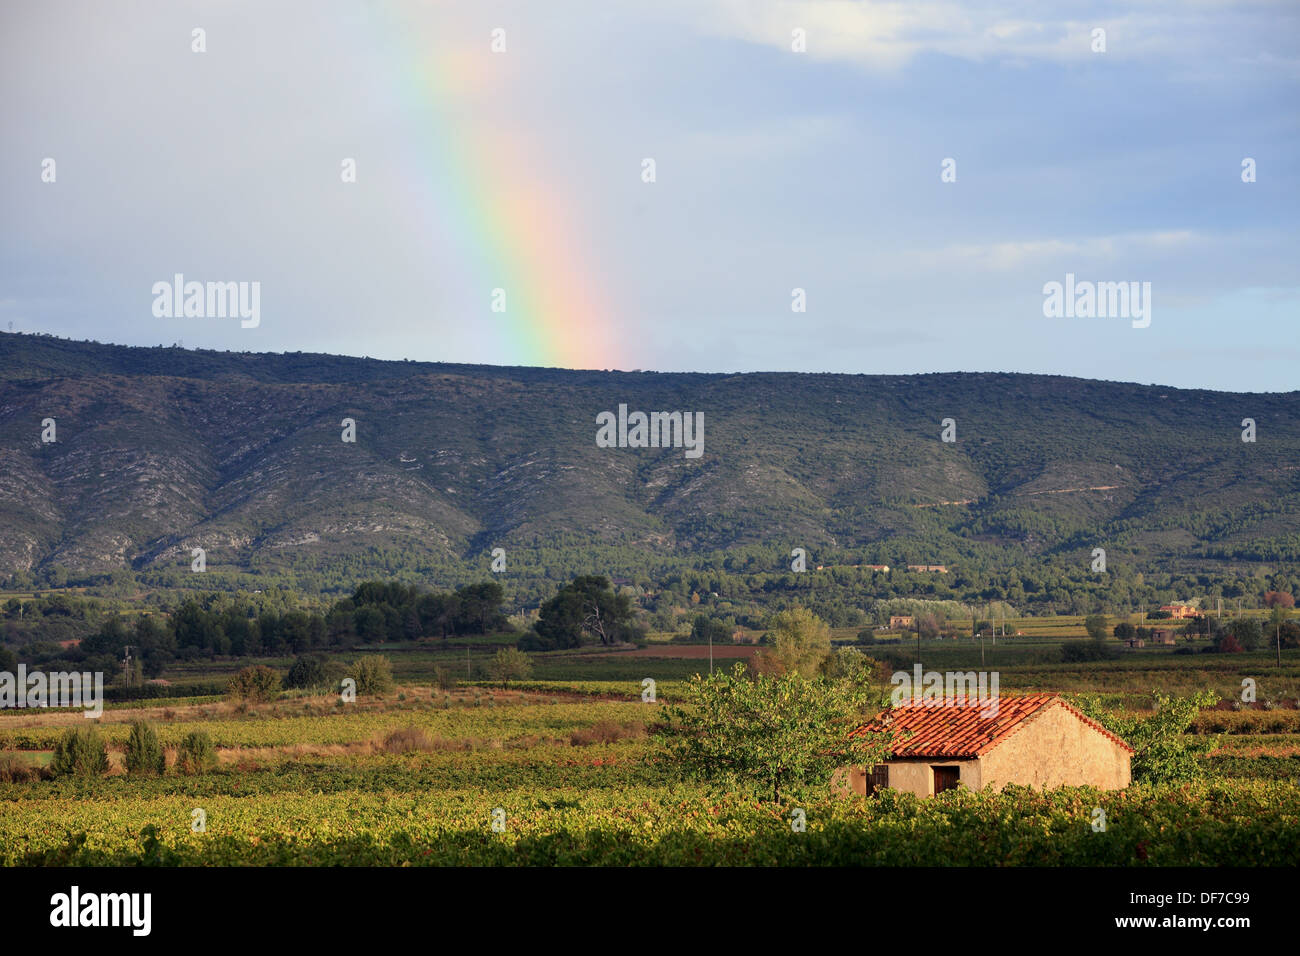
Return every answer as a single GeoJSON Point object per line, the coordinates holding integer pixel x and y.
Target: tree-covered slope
{"type": "Point", "coordinates": [162, 450]}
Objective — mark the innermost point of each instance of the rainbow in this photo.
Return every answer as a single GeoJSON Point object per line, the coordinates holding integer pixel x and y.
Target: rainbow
{"type": "Point", "coordinates": [516, 234]}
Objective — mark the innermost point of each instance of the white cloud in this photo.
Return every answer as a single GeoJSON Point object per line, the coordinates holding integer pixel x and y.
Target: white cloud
{"type": "Point", "coordinates": [885, 35]}
{"type": "Point", "coordinates": [1001, 256]}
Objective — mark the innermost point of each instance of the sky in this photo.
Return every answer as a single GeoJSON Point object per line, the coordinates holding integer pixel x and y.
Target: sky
{"type": "Point", "coordinates": [503, 211]}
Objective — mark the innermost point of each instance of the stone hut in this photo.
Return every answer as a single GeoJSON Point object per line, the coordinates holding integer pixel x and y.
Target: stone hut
{"type": "Point", "coordinates": [1036, 740]}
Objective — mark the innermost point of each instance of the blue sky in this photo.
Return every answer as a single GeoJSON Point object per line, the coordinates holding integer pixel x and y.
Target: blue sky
{"type": "Point", "coordinates": [775, 170]}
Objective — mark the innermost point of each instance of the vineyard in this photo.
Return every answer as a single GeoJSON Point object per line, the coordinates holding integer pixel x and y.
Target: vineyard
{"type": "Point", "coordinates": [546, 773]}
{"type": "Point", "coordinates": [403, 817]}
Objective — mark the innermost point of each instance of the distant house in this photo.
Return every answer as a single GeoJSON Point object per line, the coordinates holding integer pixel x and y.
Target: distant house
{"type": "Point", "coordinates": [937, 568]}
{"type": "Point", "coordinates": [900, 620]}
{"type": "Point", "coordinates": [1181, 610]}
{"type": "Point", "coordinates": [739, 636]}
{"type": "Point", "coordinates": [1037, 740]}
{"type": "Point", "coordinates": [1162, 635]}
{"type": "Point", "coordinates": [1135, 642]}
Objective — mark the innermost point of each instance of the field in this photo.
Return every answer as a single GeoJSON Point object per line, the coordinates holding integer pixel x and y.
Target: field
{"type": "Point", "coordinates": [566, 767]}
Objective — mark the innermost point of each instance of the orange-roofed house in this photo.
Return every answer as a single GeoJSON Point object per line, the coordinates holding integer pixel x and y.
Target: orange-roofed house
{"type": "Point", "coordinates": [1035, 740]}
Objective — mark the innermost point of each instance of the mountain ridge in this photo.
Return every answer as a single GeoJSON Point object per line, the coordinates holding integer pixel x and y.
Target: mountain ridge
{"type": "Point", "coordinates": [159, 451]}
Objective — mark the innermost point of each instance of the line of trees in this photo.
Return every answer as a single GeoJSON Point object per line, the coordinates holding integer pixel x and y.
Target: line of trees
{"type": "Point", "coordinates": [225, 626]}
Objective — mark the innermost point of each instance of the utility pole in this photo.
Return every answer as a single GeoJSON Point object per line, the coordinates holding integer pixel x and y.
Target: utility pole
{"type": "Point", "coordinates": [1278, 614]}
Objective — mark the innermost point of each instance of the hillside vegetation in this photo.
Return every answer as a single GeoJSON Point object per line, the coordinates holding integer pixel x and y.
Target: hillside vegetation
{"type": "Point", "coordinates": [162, 450]}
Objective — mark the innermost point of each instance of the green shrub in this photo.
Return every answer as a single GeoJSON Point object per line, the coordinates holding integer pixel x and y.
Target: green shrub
{"type": "Point", "coordinates": [1076, 652]}
{"type": "Point", "coordinates": [197, 754]}
{"type": "Point", "coordinates": [144, 752]}
{"type": "Point", "coordinates": [509, 664]}
{"type": "Point", "coordinates": [373, 674]}
{"type": "Point", "coordinates": [81, 752]}
{"type": "Point", "coordinates": [257, 683]}
{"type": "Point", "coordinates": [772, 734]}
{"type": "Point", "coordinates": [314, 672]}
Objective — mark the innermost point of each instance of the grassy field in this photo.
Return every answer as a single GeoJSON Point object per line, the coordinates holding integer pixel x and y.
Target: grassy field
{"type": "Point", "coordinates": [568, 763]}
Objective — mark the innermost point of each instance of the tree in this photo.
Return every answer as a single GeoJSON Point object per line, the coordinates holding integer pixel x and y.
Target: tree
{"type": "Point", "coordinates": [586, 606]}
{"type": "Point", "coordinates": [1227, 644]}
{"type": "Point", "coordinates": [193, 626]}
{"type": "Point", "coordinates": [1196, 627]}
{"type": "Point", "coordinates": [771, 734]}
{"type": "Point", "coordinates": [800, 641]}
{"type": "Point", "coordinates": [371, 624]}
{"type": "Point", "coordinates": [509, 664]}
{"type": "Point", "coordinates": [438, 613]}
{"type": "Point", "coordinates": [258, 683]}
{"type": "Point", "coordinates": [80, 752]}
{"type": "Point", "coordinates": [1247, 631]}
{"type": "Point", "coordinates": [1124, 630]}
{"type": "Point", "coordinates": [480, 608]}
{"type": "Point", "coordinates": [1075, 652]}
{"type": "Point", "coordinates": [1162, 751]}
{"type": "Point", "coordinates": [144, 752]}
{"type": "Point", "coordinates": [373, 674]}
{"type": "Point", "coordinates": [1274, 599]}
{"type": "Point", "coordinates": [848, 664]}
{"type": "Point", "coordinates": [1095, 625]}
{"type": "Point", "coordinates": [196, 754]}
{"type": "Point", "coordinates": [705, 628]}
{"type": "Point", "coordinates": [314, 671]}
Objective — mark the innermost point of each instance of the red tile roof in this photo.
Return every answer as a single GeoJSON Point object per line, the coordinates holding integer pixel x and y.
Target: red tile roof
{"type": "Point", "coordinates": [960, 730]}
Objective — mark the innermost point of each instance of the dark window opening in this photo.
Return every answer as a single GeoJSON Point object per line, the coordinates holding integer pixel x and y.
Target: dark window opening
{"type": "Point", "coordinates": [945, 778]}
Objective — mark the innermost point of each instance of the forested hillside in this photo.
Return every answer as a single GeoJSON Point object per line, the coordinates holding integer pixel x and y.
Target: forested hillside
{"type": "Point", "coordinates": [159, 451]}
